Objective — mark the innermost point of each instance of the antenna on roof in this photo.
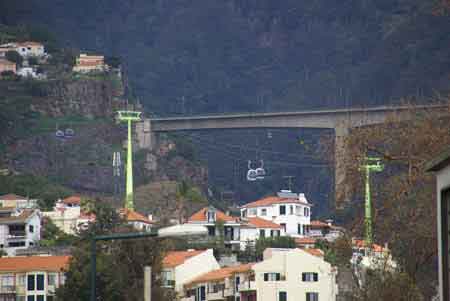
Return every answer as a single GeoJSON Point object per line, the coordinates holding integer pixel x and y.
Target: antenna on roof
{"type": "Point", "coordinates": [289, 180]}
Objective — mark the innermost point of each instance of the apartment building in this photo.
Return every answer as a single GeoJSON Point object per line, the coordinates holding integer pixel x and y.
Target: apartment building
{"type": "Point", "coordinates": [291, 275]}
{"type": "Point", "coordinates": [253, 228]}
{"type": "Point", "coordinates": [19, 229]}
{"type": "Point", "coordinates": [211, 217]}
{"type": "Point", "coordinates": [220, 284]}
{"type": "Point", "coordinates": [31, 278]}
{"type": "Point", "coordinates": [90, 63]}
{"type": "Point", "coordinates": [30, 49]}
{"type": "Point", "coordinates": [180, 267]}
{"type": "Point", "coordinates": [289, 210]}
{"type": "Point", "coordinates": [17, 201]}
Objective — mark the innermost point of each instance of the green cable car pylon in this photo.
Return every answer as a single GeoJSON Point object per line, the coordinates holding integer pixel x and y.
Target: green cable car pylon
{"type": "Point", "coordinates": [371, 165]}
{"type": "Point", "coordinates": [129, 117]}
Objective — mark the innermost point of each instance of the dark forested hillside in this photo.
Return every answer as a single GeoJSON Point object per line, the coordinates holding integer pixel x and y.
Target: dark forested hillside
{"type": "Point", "coordinates": [231, 55]}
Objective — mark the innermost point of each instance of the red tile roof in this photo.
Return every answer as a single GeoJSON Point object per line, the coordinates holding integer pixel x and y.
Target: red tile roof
{"type": "Point", "coordinates": [21, 218]}
{"type": "Point", "coordinates": [262, 223]}
{"type": "Point", "coordinates": [74, 199]}
{"type": "Point", "coordinates": [175, 258]}
{"type": "Point", "coordinates": [319, 224]}
{"type": "Point", "coordinates": [221, 274]}
{"type": "Point", "coordinates": [29, 43]}
{"type": "Point", "coordinates": [271, 200]}
{"type": "Point", "coordinates": [315, 252]}
{"type": "Point", "coordinates": [362, 244]}
{"type": "Point", "coordinates": [12, 197]}
{"type": "Point", "coordinates": [133, 216]}
{"type": "Point", "coordinates": [200, 216]}
{"type": "Point", "coordinates": [34, 263]}
{"type": "Point", "coordinates": [305, 241]}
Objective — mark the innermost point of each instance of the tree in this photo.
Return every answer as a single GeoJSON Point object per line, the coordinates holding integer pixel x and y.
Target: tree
{"type": "Point", "coordinates": [53, 236]}
{"type": "Point", "coordinates": [402, 212]}
{"type": "Point", "coordinates": [186, 193]}
{"type": "Point", "coordinates": [261, 244]}
{"type": "Point", "coordinates": [120, 264]}
{"type": "Point", "coordinates": [15, 57]}
{"type": "Point", "coordinates": [33, 61]}
{"type": "Point", "coordinates": [113, 61]}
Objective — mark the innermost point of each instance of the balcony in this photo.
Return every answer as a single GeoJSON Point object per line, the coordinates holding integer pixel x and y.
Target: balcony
{"type": "Point", "coordinates": [16, 234]}
{"type": "Point", "coordinates": [247, 286]}
{"type": "Point", "coordinates": [7, 289]}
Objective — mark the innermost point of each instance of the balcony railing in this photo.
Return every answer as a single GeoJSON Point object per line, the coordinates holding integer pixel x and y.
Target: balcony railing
{"type": "Point", "coordinates": [247, 286]}
{"type": "Point", "coordinates": [7, 289]}
{"type": "Point", "coordinates": [16, 234]}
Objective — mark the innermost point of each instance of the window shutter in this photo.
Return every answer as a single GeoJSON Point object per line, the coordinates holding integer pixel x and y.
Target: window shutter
{"type": "Point", "coordinates": [316, 276]}
{"type": "Point", "coordinates": [266, 277]}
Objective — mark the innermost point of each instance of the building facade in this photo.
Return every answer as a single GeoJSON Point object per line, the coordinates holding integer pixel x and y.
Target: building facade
{"type": "Point", "coordinates": [441, 166]}
{"type": "Point", "coordinates": [253, 228]}
{"type": "Point", "coordinates": [289, 210]}
{"type": "Point", "coordinates": [31, 278]}
{"type": "Point", "coordinates": [17, 201]}
{"type": "Point", "coordinates": [293, 274]}
{"type": "Point", "coordinates": [180, 267]}
{"type": "Point", "coordinates": [30, 49]}
{"type": "Point", "coordinates": [213, 220]}
{"type": "Point", "coordinates": [19, 229]}
{"type": "Point", "coordinates": [90, 63]}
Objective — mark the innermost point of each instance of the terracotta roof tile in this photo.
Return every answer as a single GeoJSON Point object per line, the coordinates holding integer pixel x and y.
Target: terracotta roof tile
{"type": "Point", "coordinates": [362, 244]}
{"type": "Point", "coordinates": [305, 241]}
{"type": "Point", "coordinates": [267, 201]}
{"type": "Point", "coordinates": [34, 263]}
{"type": "Point", "coordinates": [21, 218]}
{"type": "Point", "coordinates": [262, 223]}
{"type": "Point", "coordinates": [175, 258]}
{"type": "Point", "coordinates": [12, 196]}
{"type": "Point", "coordinates": [29, 43]}
{"type": "Point", "coordinates": [315, 252]}
{"type": "Point", "coordinates": [221, 274]}
{"type": "Point", "coordinates": [200, 216]}
{"type": "Point", "coordinates": [319, 224]}
{"type": "Point", "coordinates": [133, 216]}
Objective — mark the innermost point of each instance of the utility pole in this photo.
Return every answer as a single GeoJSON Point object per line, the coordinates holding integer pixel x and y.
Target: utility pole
{"type": "Point", "coordinates": [129, 117]}
{"type": "Point", "coordinates": [371, 165]}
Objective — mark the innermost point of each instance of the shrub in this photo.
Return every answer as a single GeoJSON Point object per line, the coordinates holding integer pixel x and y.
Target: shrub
{"type": "Point", "coordinates": [15, 57]}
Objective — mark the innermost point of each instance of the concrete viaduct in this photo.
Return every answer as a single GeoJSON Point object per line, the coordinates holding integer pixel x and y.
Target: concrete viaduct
{"type": "Point", "coordinates": [341, 120]}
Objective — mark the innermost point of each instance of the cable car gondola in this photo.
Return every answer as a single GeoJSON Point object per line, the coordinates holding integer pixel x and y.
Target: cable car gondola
{"type": "Point", "coordinates": [69, 133]}
{"type": "Point", "coordinates": [60, 134]}
{"type": "Point", "coordinates": [251, 173]}
{"type": "Point", "coordinates": [260, 172]}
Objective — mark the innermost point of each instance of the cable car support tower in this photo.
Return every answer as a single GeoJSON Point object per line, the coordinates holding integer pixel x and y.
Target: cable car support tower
{"type": "Point", "coordinates": [129, 117]}
{"type": "Point", "coordinates": [371, 165]}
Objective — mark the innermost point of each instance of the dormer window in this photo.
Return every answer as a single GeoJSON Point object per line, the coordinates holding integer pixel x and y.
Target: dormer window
{"type": "Point", "coordinates": [211, 216]}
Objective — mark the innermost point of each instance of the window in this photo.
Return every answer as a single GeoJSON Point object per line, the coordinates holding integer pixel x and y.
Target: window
{"type": "Point", "coordinates": [291, 210]}
{"type": "Point", "coordinates": [299, 229]}
{"type": "Point", "coordinates": [272, 277]}
{"type": "Point", "coordinates": [211, 231]}
{"type": "Point", "coordinates": [306, 211]}
{"type": "Point", "coordinates": [282, 210]}
{"type": "Point", "coordinates": [262, 233]}
{"type": "Point", "coordinates": [31, 228]}
{"type": "Point", "coordinates": [237, 282]}
{"type": "Point", "coordinates": [310, 277]}
{"type": "Point", "coordinates": [21, 298]}
{"type": "Point", "coordinates": [30, 282]}
{"type": "Point", "coordinates": [51, 279]}
{"type": "Point", "coordinates": [282, 296]}
{"type": "Point", "coordinates": [244, 213]}
{"type": "Point", "coordinates": [312, 296]}
{"type": "Point", "coordinates": [15, 244]}
{"type": "Point", "coordinates": [40, 282]}
{"type": "Point", "coordinates": [167, 278]}
{"type": "Point", "coordinates": [21, 280]}
{"type": "Point", "coordinates": [263, 212]}
{"type": "Point", "coordinates": [30, 298]}
{"type": "Point", "coordinates": [211, 216]}
{"type": "Point", "coordinates": [298, 210]}
{"type": "Point", "coordinates": [40, 298]}
{"type": "Point", "coordinates": [252, 212]}
{"type": "Point", "coordinates": [62, 278]}
{"type": "Point", "coordinates": [283, 226]}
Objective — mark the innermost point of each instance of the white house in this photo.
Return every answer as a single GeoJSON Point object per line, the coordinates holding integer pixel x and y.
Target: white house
{"type": "Point", "coordinates": [30, 49]}
{"type": "Point", "coordinates": [220, 284]}
{"type": "Point", "coordinates": [325, 230]}
{"type": "Point", "coordinates": [253, 228]}
{"type": "Point", "coordinates": [180, 267]}
{"type": "Point", "coordinates": [135, 219]}
{"type": "Point", "coordinates": [291, 275]}
{"type": "Point", "coordinates": [441, 166]}
{"type": "Point", "coordinates": [210, 217]}
{"type": "Point", "coordinates": [31, 277]}
{"type": "Point", "coordinates": [289, 210]}
{"type": "Point", "coordinates": [17, 201]}
{"type": "Point", "coordinates": [90, 63]}
{"type": "Point", "coordinates": [19, 229]}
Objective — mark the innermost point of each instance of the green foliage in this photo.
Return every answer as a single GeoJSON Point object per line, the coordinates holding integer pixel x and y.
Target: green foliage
{"type": "Point", "coordinates": [32, 61]}
{"type": "Point", "coordinates": [183, 148]}
{"type": "Point", "coordinates": [261, 244]}
{"type": "Point", "coordinates": [34, 187]}
{"type": "Point", "coordinates": [113, 61]}
{"type": "Point", "coordinates": [53, 236]}
{"type": "Point", "coordinates": [338, 252]}
{"type": "Point", "coordinates": [14, 56]}
{"type": "Point", "coordinates": [120, 264]}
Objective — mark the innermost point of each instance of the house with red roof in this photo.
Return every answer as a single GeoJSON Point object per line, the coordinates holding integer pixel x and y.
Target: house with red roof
{"type": "Point", "coordinates": [135, 219]}
{"type": "Point", "coordinates": [253, 228]}
{"type": "Point", "coordinates": [32, 277]}
{"type": "Point", "coordinates": [213, 219]}
{"type": "Point", "coordinates": [17, 201]}
{"type": "Point", "coordinates": [181, 267]}
{"type": "Point", "coordinates": [289, 210]}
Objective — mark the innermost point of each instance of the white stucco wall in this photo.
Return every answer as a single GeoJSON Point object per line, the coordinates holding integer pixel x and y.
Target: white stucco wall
{"type": "Point", "coordinates": [194, 267]}
{"type": "Point", "coordinates": [291, 264]}
{"type": "Point", "coordinates": [442, 183]}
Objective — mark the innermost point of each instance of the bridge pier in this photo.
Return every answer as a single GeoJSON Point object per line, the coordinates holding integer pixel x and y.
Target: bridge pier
{"type": "Point", "coordinates": [341, 190]}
